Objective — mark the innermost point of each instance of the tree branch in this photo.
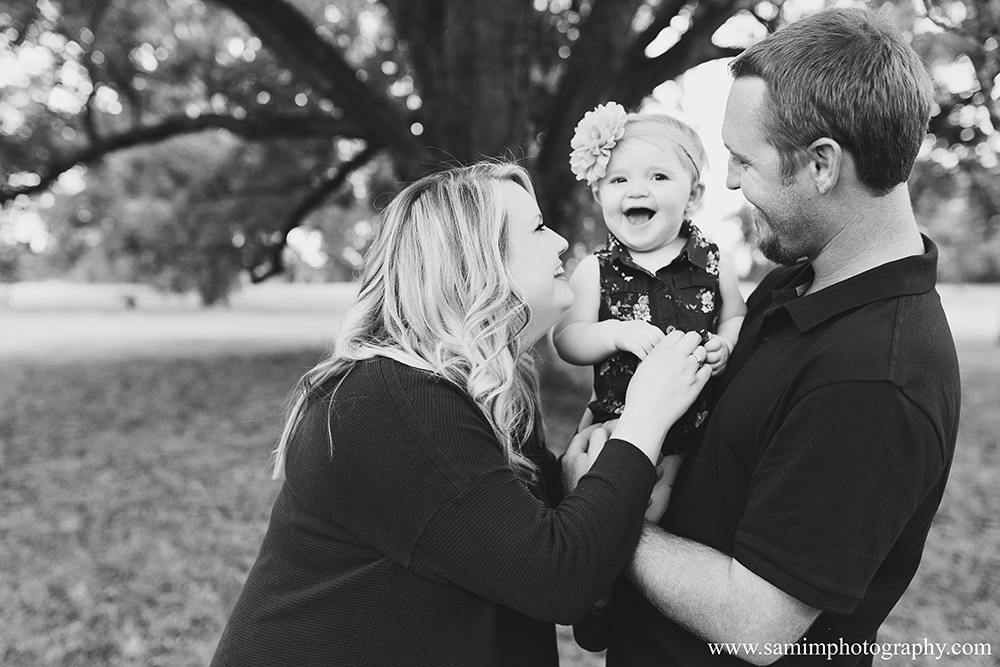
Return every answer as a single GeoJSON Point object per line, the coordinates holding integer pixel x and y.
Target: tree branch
{"type": "Point", "coordinates": [595, 62]}
{"type": "Point", "coordinates": [974, 31]}
{"type": "Point", "coordinates": [89, 115]}
{"type": "Point", "coordinates": [421, 24]}
{"type": "Point", "coordinates": [694, 48]}
{"type": "Point", "coordinates": [22, 16]}
{"type": "Point", "coordinates": [292, 38]}
{"type": "Point", "coordinates": [664, 15]}
{"type": "Point", "coordinates": [931, 10]}
{"type": "Point", "coordinates": [291, 125]}
{"type": "Point", "coordinates": [327, 186]}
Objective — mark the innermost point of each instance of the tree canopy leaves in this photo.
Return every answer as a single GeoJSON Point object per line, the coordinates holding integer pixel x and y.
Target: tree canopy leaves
{"type": "Point", "coordinates": [236, 121]}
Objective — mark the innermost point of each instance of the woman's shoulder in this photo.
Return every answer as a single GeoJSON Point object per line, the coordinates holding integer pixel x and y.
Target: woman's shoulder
{"type": "Point", "coordinates": [395, 404]}
{"type": "Point", "coordinates": [412, 416]}
{"type": "Point", "coordinates": [391, 374]}
{"type": "Point", "coordinates": [401, 390]}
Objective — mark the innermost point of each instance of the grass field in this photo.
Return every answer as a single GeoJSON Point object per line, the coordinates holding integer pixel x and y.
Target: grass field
{"type": "Point", "coordinates": [134, 489]}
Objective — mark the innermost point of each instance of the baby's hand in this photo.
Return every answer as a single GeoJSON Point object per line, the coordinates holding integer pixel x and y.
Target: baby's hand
{"type": "Point", "coordinates": [660, 498]}
{"type": "Point", "coordinates": [718, 353]}
{"type": "Point", "coordinates": [637, 337]}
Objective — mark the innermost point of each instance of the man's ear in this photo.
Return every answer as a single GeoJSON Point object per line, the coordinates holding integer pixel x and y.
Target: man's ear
{"type": "Point", "coordinates": [826, 159]}
{"type": "Point", "coordinates": [697, 192]}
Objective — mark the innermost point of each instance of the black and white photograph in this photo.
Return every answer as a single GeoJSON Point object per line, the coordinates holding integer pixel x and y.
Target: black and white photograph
{"type": "Point", "coordinates": [499, 333]}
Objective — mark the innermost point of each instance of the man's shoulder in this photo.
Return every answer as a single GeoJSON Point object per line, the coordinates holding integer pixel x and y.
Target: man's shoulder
{"type": "Point", "coordinates": [899, 333]}
{"type": "Point", "coordinates": [903, 341]}
{"type": "Point", "coordinates": [925, 360]}
{"type": "Point", "coordinates": [910, 330]}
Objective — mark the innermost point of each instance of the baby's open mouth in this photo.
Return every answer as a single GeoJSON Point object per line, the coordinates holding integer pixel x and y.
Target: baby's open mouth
{"type": "Point", "coordinates": [638, 216]}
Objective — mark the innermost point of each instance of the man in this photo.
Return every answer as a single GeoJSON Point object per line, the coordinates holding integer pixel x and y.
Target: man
{"type": "Point", "coordinates": [801, 519]}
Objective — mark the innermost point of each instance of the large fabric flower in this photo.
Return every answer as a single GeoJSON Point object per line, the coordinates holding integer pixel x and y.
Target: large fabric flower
{"type": "Point", "coordinates": [596, 134]}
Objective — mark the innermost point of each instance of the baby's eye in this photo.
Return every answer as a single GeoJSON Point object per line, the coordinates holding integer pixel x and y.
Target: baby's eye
{"type": "Point", "coordinates": [660, 177]}
{"type": "Point", "coordinates": [541, 227]}
{"type": "Point", "coordinates": [617, 179]}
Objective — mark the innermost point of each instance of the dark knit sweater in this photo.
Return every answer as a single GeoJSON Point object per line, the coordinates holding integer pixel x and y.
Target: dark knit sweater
{"type": "Point", "coordinates": [411, 542]}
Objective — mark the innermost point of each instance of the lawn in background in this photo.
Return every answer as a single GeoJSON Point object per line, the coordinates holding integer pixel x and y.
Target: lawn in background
{"type": "Point", "coordinates": [135, 491]}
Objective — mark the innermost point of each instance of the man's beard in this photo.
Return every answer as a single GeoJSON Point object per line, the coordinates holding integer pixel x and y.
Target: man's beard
{"type": "Point", "coordinates": [772, 249]}
{"type": "Point", "coordinates": [769, 241]}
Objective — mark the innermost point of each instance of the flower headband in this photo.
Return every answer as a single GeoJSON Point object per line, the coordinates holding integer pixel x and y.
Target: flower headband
{"type": "Point", "coordinates": [596, 134]}
{"type": "Point", "coordinates": [600, 130]}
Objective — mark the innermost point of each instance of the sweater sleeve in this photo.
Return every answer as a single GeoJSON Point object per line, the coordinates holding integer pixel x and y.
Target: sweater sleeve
{"type": "Point", "coordinates": [407, 464]}
{"type": "Point", "coordinates": [496, 540]}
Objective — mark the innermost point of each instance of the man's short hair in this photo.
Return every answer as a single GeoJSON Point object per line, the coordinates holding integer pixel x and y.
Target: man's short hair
{"type": "Point", "coordinates": [846, 74]}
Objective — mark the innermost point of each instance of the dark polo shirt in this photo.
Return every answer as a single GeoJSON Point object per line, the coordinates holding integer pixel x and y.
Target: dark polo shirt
{"type": "Point", "coordinates": [824, 460]}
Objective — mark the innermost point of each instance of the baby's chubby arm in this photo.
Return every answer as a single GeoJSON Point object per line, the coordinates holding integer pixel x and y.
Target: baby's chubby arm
{"type": "Point", "coordinates": [581, 339]}
{"type": "Point", "coordinates": [721, 344]}
{"type": "Point", "coordinates": [578, 337]}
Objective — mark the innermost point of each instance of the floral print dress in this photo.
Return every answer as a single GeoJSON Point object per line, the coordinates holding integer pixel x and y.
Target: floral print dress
{"type": "Point", "coordinates": [682, 295]}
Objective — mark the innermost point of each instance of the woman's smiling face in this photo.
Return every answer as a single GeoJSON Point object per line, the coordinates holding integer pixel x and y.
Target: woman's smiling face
{"type": "Point", "coordinates": [645, 193]}
{"type": "Point", "coordinates": [533, 260]}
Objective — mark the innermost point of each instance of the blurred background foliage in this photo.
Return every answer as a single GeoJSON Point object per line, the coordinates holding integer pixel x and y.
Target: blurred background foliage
{"type": "Point", "coordinates": [196, 144]}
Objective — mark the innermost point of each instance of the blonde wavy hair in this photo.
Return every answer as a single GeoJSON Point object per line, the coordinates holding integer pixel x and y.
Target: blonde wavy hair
{"type": "Point", "coordinates": [436, 294]}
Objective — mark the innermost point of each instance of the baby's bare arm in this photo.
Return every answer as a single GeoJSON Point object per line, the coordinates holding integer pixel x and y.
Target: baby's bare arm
{"type": "Point", "coordinates": [731, 314]}
{"type": "Point", "coordinates": [578, 337]}
{"type": "Point", "coordinates": [734, 308]}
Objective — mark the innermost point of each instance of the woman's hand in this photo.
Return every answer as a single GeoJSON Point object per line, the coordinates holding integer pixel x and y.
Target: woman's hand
{"type": "Point", "coordinates": [665, 384]}
{"type": "Point", "coordinates": [583, 450]}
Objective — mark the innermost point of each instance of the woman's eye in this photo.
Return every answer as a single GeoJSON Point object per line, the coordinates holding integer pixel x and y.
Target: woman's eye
{"type": "Point", "coordinates": [735, 161]}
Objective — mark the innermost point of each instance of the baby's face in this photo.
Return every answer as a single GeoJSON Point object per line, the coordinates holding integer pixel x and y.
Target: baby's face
{"type": "Point", "coordinates": [645, 193]}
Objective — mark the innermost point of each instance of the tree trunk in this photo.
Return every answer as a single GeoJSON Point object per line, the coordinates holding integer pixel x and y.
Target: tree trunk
{"type": "Point", "coordinates": [290, 35]}
{"type": "Point", "coordinates": [597, 63]}
{"type": "Point", "coordinates": [474, 62]}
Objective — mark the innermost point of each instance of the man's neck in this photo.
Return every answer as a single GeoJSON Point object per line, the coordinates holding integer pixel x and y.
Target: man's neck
{"type": "Point", "coordinates": [881, 230]}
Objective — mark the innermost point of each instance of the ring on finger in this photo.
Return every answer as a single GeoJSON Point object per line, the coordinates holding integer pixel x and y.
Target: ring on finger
{"type": "Point", "coordinates": [700, 358]}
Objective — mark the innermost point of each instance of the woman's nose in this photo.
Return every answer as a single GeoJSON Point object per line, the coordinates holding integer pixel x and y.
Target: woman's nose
{"type": "Point", "coordinates": [562, 245]}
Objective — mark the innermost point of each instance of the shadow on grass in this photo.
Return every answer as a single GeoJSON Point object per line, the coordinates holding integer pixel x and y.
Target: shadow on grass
{"type": "Point", "coordinates": [136, 493]}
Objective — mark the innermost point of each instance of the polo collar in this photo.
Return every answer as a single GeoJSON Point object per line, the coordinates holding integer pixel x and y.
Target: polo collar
{"type": "Point", "coordinates": [907, 276]}
{"type": "Point", "coordinates": [695, 249]}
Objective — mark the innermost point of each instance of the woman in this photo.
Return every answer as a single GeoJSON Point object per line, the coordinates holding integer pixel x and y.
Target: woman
{"type": "Point", "coordinates": [418, 521]}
